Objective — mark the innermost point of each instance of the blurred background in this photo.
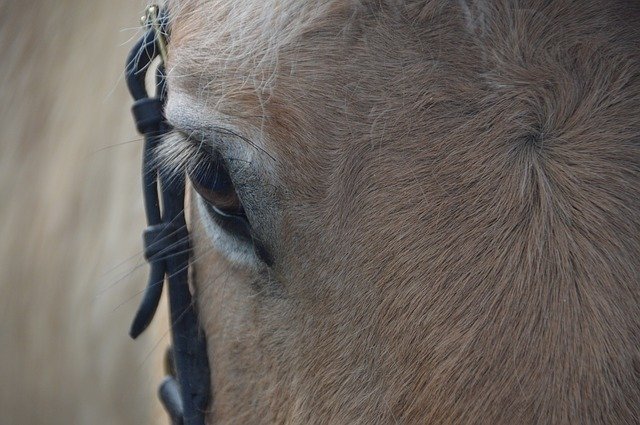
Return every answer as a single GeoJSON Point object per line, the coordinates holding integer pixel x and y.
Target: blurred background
{"type": "Point", "coordinates": [71, 217]}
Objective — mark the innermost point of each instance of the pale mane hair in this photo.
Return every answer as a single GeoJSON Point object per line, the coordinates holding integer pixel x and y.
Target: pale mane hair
{"type": "Point", "coordinates": [459, 202]}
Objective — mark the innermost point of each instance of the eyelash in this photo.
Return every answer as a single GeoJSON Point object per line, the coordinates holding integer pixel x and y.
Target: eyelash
{"type": "Point", "coordinates": [176, 155]}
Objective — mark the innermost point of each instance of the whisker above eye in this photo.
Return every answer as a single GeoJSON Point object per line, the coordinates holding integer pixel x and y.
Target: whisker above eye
{"type": "Point", "coordinates": [228, 132]}
{"type": "Point", "coordinates": [200, 128]}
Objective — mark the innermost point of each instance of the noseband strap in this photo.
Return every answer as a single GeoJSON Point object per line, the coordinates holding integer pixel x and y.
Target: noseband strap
{"type": "Point", "coordinates": [166, 239]}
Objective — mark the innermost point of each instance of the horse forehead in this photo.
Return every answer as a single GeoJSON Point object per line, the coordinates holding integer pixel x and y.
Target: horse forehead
{"type": "Point", "coordinates": [237, 60]}
{"type": "Point", "coordinates": [231, 28]}
{"type": "Point", "coordinates": [246, 39]}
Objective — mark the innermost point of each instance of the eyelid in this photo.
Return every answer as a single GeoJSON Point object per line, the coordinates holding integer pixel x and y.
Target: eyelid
{"type": "Point", "coordinates": [178, 153]}
{"type": "Point", "coordinates": [198, 141]}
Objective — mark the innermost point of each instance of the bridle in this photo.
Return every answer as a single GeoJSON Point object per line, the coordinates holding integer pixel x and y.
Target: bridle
{"type": "Point", "coordinates": [185, 392]}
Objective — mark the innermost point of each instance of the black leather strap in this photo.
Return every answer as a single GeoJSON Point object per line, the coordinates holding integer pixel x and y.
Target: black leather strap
{"type": "Point", "coordinates": [166, 247]}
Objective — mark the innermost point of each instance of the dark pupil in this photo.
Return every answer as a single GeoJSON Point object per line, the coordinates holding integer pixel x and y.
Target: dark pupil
{"type": "Point", "coordinates": [213, 183]}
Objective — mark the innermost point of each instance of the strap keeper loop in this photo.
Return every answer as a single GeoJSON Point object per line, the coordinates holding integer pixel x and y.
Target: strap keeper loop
{"type": "Point", "coordinates": [148, 114]}
{"type": "Point", "coordinates": [156, 241]}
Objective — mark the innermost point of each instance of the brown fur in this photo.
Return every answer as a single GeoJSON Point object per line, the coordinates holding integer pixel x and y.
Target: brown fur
{"type": "Point", "coordinates": [70, 215]}
{"type": "Point", "coordinates": [458, 190]}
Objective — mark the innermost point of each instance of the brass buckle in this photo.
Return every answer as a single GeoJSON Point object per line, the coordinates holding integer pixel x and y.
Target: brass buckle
{"type": "Point", "coordinates": [151, 19]}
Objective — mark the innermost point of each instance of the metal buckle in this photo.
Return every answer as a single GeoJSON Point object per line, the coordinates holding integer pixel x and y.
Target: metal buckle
{"type": "Point", "coordinates": [151, 19]}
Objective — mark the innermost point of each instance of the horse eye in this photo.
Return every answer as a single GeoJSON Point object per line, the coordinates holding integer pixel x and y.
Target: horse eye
{"type": "Point", "coordinates": [213, 184]}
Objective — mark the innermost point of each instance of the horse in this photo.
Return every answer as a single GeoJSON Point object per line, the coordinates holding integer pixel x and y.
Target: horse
{"type": "Point", "coordinates": [437, 207]}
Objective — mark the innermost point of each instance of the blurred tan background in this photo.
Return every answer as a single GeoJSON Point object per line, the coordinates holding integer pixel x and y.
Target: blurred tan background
{"type": "Point", "coordinates": [70, 219]}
